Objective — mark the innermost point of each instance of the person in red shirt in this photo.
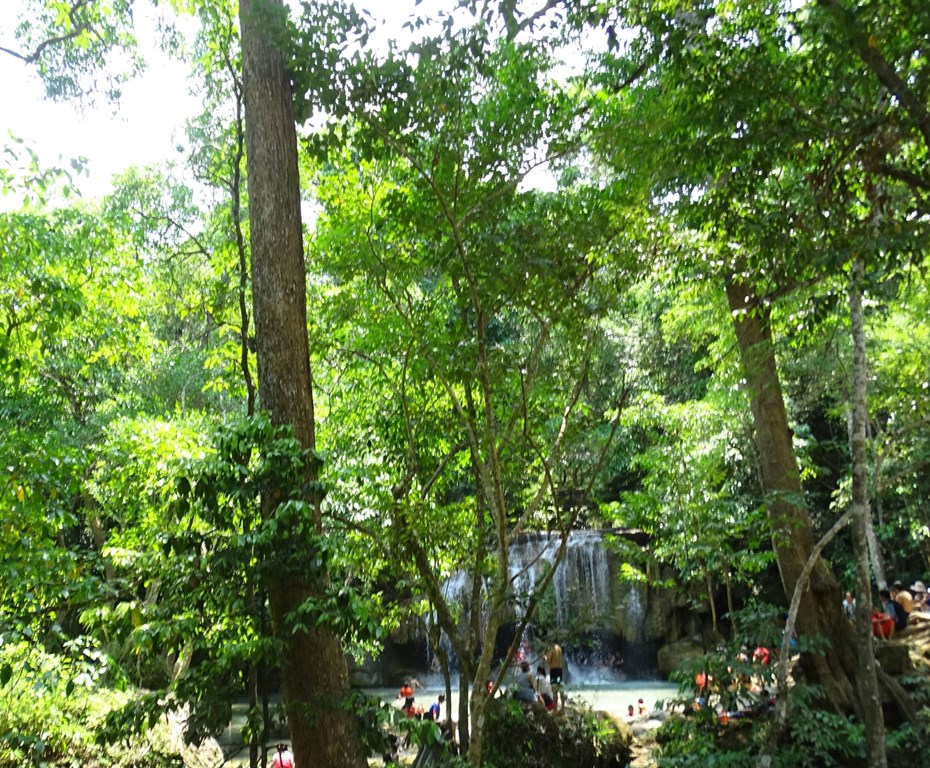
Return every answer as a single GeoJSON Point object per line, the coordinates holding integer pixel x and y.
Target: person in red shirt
{"type": "Point", "coordinates": [882, 625]}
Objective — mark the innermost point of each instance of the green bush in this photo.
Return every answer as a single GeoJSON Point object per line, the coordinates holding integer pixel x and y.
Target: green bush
{"type": "Point", "coordinates": [519, 735]}
{"type": "Point", "coordinates": [53, 708]}
{"type": "Point", "coordinates": [47, 705]}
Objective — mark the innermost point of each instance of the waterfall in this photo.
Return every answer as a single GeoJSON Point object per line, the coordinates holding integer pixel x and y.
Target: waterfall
{"type": "Point", "coordinates": [602, 623]}
{"type": "Point", "coordinates": [581, 584]}
{"type": "Point", "coordinates": [634, 610]}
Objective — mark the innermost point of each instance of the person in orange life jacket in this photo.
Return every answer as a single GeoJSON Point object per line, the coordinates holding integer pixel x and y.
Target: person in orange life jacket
{"type": "Point", "coordinates": [407, 694]}
{"type": "Point", "coordinates": [704, 683]}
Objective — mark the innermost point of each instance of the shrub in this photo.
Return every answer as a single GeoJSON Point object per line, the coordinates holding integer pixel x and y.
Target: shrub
{"type": "Point", "coordinates": [516, 736]}
{"type": "Point", "coordinates": [53, 709]}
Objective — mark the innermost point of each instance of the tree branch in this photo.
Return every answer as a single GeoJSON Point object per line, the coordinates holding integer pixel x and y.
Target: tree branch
{"type": "Point", "coordinates": [78, 28]}
{"type": "Point", "coordinates": [781, 669]}
{"type": "Point", "coordinates": [868, 51]}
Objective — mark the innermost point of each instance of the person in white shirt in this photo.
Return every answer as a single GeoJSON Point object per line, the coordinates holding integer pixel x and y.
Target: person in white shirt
{"type": "Point", "coordinates": [544, 688]}
{"type": "Point", "coordinates": [921, 598]}
{"type": "Point", "coordinates": [849, 606]}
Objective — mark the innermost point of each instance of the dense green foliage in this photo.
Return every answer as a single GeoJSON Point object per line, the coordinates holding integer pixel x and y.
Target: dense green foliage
{"type": "Point", "coordinates": [518, 735]}
{"type": "Point", "coordinates": [494, 350]}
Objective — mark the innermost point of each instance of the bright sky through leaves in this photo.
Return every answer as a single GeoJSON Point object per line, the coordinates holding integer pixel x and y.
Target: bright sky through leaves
{"type": "Point", "coordinates": [147, 123]}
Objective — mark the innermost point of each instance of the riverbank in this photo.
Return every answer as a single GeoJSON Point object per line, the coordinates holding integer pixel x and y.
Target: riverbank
{"type": "Point", "coordinates": [614, 697]}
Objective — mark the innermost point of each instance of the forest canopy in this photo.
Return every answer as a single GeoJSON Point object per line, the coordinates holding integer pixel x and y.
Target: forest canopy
{"type": "Point", "coordinates": [528, 267]}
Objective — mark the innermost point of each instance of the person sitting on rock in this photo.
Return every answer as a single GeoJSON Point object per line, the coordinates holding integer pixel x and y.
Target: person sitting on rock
{"type": "Point", "coordinates": [921, 598]}
{"type": "Point", "coordinates": [894, 609]}
{"type": "Point", "coordinates": [392, 753]}
{"type": "Point", "coordinates": [523, 687]}
{"type": "Point", "coordinates": [849, 606]}
{"type": "Point", "coordinates": [900, 595]}
{"type": "Point", "coordinates": [882, 624]}
{"type": "Point", "coordinates": [544, 688]}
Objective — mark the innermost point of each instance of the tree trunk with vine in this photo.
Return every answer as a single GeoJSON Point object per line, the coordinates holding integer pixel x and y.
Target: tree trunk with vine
{"type": "Point", "coordinates": [820, 613]}
{"type": "Point", "coordinates": [315, 677]}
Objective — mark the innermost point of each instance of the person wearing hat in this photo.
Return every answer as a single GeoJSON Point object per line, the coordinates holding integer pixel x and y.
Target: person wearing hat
{"type": "Point", "coordinates": [921, 598]}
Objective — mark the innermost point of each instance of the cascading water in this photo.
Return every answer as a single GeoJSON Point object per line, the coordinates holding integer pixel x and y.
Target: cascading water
{"type": "Point", "coordinates": [634, 609]}
{"type": "Point", "coordinates": [457, 592]}
{"type": "Point", "coordinates": [581, 604]}
{"type": "Point", "coordinates": [581, 584]}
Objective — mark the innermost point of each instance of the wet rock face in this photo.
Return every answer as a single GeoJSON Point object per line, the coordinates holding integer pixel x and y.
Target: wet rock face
{"type": "Point", "coordinates": [672, 655]}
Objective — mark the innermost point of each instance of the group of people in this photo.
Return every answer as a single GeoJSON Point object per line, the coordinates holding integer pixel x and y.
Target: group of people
{"type": "Point", "coordinates": [542, 687]}
{"type": "Point", "coordinates": [897, 606]}
{"type": "Point", "coordinates": [410, 707]}
{"type": "Point", "coordinates": [407, 696]}
{"type": "Point", "coordinates": [640, 709]}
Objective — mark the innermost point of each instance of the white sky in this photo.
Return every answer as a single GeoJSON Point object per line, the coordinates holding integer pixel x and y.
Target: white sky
{"type": "Point", "coordinates": [142, 127]}
{"type": "Point", "coordinates": [138, 130]}
{"type": "Point", "coordinates": [147, 124]}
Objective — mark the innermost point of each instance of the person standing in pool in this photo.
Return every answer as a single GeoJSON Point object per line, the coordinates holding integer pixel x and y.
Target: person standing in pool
{"type": "Point", "coordinates": [554, 662]}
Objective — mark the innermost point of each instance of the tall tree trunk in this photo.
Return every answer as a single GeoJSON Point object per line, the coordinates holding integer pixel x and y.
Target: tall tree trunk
{"type": "Point", "coordinates": [482, 671]}
{"type": "Point", "coordinates": [464, 723]}
{"type": "Point", "coordinates": [731, 604]}
{"type": "Point", "coordinates": [874, 549]}
{"type": "Point", "coordinates": [256, 734]}
{"type": "Point", "coordinates": [710, 602]}
{"type": "Point", "coordinates": [323, 732]}
{"type": "Point", "coordinates": [820, 612]}
{"type": "Point", "coordinates": [868, 682]}
{"type": "Point", "coordinates": [875, 554]}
